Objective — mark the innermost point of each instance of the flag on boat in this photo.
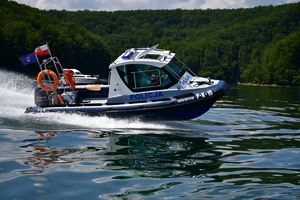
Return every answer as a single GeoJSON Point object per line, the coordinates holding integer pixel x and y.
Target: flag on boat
{"type": "Point", "coordinates": [42, 50]}
{"type": "Point", "coordinates": [28, 59]}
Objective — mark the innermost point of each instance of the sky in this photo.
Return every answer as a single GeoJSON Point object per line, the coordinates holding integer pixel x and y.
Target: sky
{"type": "Point", "coordinates": [113, 5]}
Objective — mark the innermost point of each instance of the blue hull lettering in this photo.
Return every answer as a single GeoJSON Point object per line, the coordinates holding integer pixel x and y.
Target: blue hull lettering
{"type": "Point", "coordinates": [149, 95]}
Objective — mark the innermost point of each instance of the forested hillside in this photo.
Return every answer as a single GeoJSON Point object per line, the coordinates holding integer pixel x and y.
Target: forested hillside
{"type": "Point", "coordinates": [255, 45]}
{"type": "Point", "coordinates": [23, 28]}
{"type": "Point", "coordinates": [258, 45]}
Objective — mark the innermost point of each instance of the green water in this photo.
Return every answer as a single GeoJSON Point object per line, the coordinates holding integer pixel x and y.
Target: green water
{"type": "Point", "coordinates": [246, 147]}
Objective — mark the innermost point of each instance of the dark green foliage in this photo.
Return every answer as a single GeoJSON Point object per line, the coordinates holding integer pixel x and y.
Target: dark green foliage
{"type": "Point", "coordinates": [255, 45]}
{"type": "Point", "coordinates": [23, 28]}
{"type": "Point", "coordinates": [238, 45]}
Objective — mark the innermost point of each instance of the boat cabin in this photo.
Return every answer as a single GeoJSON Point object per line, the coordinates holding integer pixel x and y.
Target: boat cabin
{"type": "Point", "coordinates": [144, 70]}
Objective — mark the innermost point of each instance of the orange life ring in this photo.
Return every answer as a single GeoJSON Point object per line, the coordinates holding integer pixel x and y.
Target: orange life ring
{"type": "Point", "coordinates": [49, 88]}
{"type": "Point", "coordinates": [69, 79]}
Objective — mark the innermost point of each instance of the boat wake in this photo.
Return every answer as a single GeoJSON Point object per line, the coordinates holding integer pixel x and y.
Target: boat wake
{"type": "Point", "coordinates": [17, 94]}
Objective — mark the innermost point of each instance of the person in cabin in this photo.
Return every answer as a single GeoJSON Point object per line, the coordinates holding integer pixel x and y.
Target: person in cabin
{"type": "Point", "coordinates": [152, 79]}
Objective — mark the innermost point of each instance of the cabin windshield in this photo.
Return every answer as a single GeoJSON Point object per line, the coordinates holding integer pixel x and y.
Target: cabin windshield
{"type": "Point", "coordinates": [175, 68]}
{"type": "Point", "coordinates": [140, 77]}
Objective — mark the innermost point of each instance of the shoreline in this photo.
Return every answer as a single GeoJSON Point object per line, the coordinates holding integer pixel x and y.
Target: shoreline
{"type": "Point", "coordinates": [264, 85]}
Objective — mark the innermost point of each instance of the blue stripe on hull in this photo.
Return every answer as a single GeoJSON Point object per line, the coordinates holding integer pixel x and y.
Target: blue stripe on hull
{"type": "Point", "coordinates": [184, 113]}
{"type": "Point", "coordinates": [168, 113]}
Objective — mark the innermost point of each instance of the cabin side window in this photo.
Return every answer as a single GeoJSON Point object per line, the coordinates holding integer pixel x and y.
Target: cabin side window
{"type": "Point", "coordinates": [142, 77]}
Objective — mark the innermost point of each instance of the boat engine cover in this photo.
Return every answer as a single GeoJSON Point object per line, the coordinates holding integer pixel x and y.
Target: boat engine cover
{"type": "Point", "coordinates": [40, 97]}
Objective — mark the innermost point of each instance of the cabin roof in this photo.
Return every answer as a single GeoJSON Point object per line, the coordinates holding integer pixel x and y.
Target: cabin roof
{"type": "Point", "coordinates": [149, 56]}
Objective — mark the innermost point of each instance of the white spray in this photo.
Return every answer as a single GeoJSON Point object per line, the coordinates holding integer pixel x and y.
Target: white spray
{"type": "Point", "coordinates": [17, 94]}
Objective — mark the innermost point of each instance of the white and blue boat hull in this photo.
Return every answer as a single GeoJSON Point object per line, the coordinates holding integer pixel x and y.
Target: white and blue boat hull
{"type": "Point", "coordinates": [182, 107]}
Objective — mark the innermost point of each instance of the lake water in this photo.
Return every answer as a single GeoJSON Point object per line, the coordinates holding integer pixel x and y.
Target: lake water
{"type": "Point", "coordinates": [247, 146]}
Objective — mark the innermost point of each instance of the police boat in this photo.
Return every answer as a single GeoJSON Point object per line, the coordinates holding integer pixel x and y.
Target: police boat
{"type": "Point", "coordinates": [146, 83]}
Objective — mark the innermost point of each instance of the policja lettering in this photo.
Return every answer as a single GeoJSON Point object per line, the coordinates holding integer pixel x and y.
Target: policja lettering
{"type": "Point", "coordinates": [149, 95]}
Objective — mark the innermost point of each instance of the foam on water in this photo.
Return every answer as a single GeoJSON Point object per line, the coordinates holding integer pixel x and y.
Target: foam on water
{"type": "Point", "coordinates": [17, 94]}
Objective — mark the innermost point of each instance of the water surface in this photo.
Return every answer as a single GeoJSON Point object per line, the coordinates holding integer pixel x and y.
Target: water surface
{"type": "Point", "coordinates": [245, 147]}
